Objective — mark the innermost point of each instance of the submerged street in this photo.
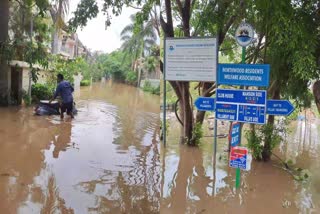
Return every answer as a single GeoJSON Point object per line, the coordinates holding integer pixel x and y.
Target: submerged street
{"type": "Point", "coordinates": [110, 160]}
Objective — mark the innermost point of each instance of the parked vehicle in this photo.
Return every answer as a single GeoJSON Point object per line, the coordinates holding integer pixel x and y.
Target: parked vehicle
{"type": "Point", "coordinates": [53, 108]}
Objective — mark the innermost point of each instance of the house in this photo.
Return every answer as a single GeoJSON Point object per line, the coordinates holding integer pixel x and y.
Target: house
{"type": "Point", "coordinates": [15, 81]}
{"type": "Point", "coordinates": [66, 45]}
{"type": "Point", "coordinates": [19, 80]}
{"type": "Point", "coordinates": [70, 47]}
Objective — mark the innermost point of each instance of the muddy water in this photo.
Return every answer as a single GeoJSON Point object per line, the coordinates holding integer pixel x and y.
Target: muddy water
{"type": "Point", "coordinates": [109, 160]}
{"type": "Point", "coordinates": [104, 161]}
{"type": "Point", "coordinates": [194, 184]}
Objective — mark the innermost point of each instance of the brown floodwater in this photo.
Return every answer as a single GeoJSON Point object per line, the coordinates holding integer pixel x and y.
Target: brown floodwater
{"type": "Point", "coordinates": [110, 160]}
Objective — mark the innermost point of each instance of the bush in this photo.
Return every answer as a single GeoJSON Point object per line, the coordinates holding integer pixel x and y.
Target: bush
{"type": "Point", "coordinates": [131, 77]}
{"type": "Point", "coordinates": [26, 98]}
{"type": "Point", "coordinates": [156, 90]}
{"type": "Point", "coordinates": [85, 83]}
{"type": "Point", "coordinates": [149, 88]}
{"type": "Point", "coordinates": [41, 92]}
{"type": "Point", "coordinates": [273, 135]}
{"type": "Point", "coordinates": [197, 133]}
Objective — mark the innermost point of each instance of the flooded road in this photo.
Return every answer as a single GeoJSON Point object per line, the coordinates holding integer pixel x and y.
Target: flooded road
{"type": "Point", "coordinates": [109, 160]}
{"type": "Point", "coordinates": [193, 184]}
{"type": "Point", "coordinates": [104, 161]}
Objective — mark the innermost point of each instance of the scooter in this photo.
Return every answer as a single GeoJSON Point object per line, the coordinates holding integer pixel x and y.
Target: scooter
{"type": "Point", "coordinates": [53, 108]}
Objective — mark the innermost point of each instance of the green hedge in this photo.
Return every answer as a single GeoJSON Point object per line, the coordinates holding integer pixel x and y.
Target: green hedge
{"type": "Point", "coordinates": [41, 92]}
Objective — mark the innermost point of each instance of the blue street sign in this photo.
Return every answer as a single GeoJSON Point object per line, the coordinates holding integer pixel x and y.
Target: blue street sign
{"type": "Point", "coordinates": [252, 114]}
{"type": "Point", "coordinates": [204, 103]}
{"type": "Point", "coordinates": [235, 134]}
{"type": "Point", "coordinates": [244, 74]}
{"type": "Point", "coordinates": [257, 97]}
{"type": "Point", "coordinates": [241, 113]}
{"type": "Point", "coordinates": [226, 111]}
{"type": "Point", "coordinates": [279, 107]}
{"type": "Point", "coordinates": [247, 106]}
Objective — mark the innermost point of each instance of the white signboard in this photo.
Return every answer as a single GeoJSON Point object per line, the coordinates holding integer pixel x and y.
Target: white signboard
{"type": "Point", "coordinates": [191, 59]}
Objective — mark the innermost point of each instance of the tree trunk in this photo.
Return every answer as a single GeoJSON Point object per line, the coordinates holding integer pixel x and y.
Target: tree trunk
{"type": "Point", "coordinates": [188, 114]}
{"type": "Point", "coordinates": [316, 94]}
{"type": "Point", "coordinates": [267, 150]}
{"type": "Point", "coordinates": [55, 42]}
{"type": "Point", "coordinates": [4, 74]}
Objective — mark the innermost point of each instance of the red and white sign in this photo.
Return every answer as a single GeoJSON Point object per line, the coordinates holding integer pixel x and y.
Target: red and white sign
{"type": "Point", "coordinates": [238, 157]}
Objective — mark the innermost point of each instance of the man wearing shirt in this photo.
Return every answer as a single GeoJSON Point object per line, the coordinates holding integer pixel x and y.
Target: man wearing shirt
{"type": "Point", "coordinates": [64, 89]}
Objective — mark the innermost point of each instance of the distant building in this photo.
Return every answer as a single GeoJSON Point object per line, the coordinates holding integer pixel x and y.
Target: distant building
{"type": "Point", "coordinates": [66, 45]}
{"type": "Point", "coordinates": [70, 46]}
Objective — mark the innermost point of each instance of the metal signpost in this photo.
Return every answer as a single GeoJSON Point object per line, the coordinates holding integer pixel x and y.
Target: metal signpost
{"type": "Point", "coordinates": [245, 106]}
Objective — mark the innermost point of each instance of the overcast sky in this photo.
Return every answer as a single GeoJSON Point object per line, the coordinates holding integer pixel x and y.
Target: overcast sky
{"type": "Point", "coordinates": [96, 37]}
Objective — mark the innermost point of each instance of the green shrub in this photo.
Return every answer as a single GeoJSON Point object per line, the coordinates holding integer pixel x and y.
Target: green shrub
{"type": "Point", "coordinates": [156, 90]}
{"type": "Point", "coordinates": [147, 87]}
{"type": "Point", "coordinates": [26, 98]}
{"type": "Point", "coordinates": [85, 83]}
{"type": "Point", "coordinates": [131, 77]}
{"type": "Point", "coordinates": [272, 135]}
{"type": "Point", "coordinates": [41, 92]}
{"type": "Point", "coordinates": [197, 133]}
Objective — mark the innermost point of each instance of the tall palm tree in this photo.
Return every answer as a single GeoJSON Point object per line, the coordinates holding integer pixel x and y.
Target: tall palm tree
{"type": "Point", "coordinates": [138, 43]}
{"type": "Point", "coordinates": [59, 10]}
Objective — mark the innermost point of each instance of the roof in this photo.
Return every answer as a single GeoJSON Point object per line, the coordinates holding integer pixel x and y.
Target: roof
{"type": "Point", "coordinates": [22, 64]}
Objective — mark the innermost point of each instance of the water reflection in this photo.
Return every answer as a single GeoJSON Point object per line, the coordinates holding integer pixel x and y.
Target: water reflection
{"type": "Point", "coordinates": [63, 140]}
{"type": "Point", "coordinates": [23, 138]}
{"type": "Point", "coordinates": [303, 149]}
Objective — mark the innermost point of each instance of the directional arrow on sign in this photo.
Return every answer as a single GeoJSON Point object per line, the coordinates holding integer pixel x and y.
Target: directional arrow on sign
{"type": "Point", "coordinates": [279, 107]}
{"type": "Point", "coordinates": [204, 103]}
{"type": "Point", "coordinates": [274, 107]}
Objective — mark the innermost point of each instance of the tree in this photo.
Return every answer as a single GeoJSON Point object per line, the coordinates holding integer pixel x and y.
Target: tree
{"type": "Point", "coordinates": [137, 39]}
{"type": "Point", "coordinates": [58, 10]}
{"type": "Point", "coordinates": [10, 47]}
{"type": "Point", "coordinates": [293, 62]}
{"type": "Point", "coordinates": [216, 19]}
{"type": "Point", "coordinates": [316, 94]}
{"type": "Point", "coordinates": [88, 9]}
{"type": "Point", "coordinates": [4, 25]}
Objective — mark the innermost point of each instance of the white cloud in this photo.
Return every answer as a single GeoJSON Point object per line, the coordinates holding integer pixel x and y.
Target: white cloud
{"type": "Point", "coordinates": [96, 37]}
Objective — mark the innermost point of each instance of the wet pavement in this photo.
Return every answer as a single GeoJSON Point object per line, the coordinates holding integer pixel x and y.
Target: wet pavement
{"type": "Point", "coordinates": [109, 160]}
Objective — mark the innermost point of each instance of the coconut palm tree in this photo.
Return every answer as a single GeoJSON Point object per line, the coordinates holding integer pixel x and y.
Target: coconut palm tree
{"type": "Point", "coordinates": [138, 40]}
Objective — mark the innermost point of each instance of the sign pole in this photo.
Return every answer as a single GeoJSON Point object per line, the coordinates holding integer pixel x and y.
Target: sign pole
{"type": "Point", "coordinates": [215, 119]}
{"type": "Point", "coordinates": [164, 123]}
{"type": "Point", "coordinates": [238, 172]}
